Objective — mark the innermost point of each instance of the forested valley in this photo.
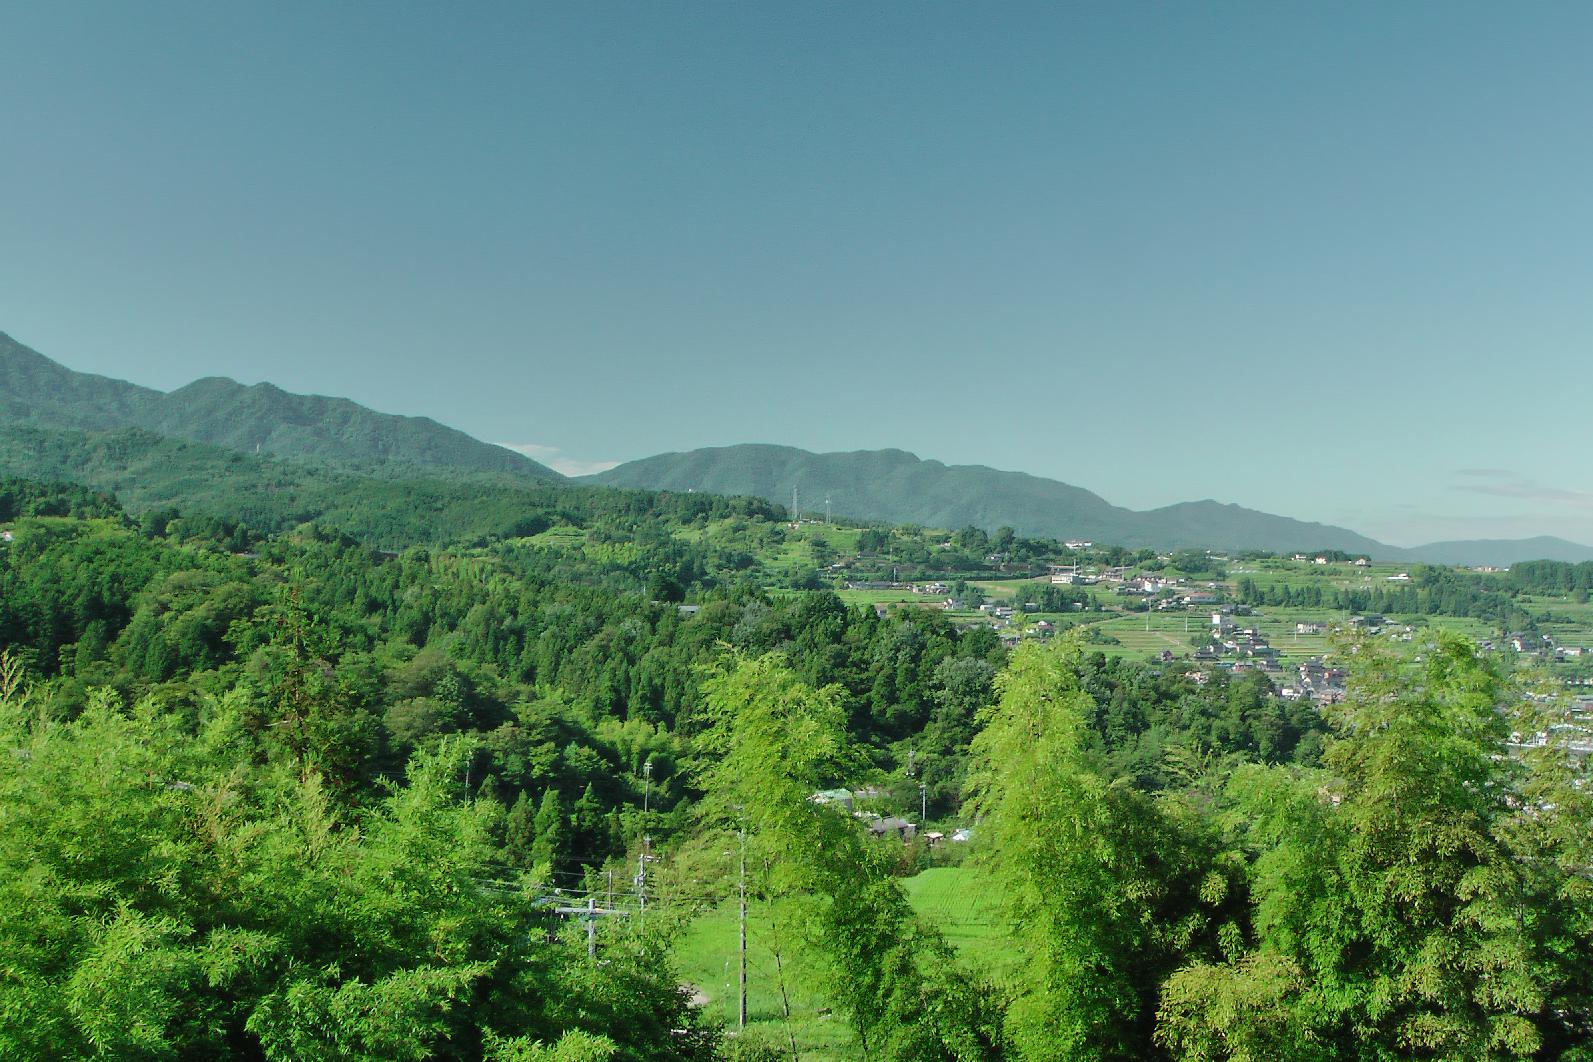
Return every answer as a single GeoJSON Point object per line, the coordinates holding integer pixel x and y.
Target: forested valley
{"type": "Point", "coordinates": [333, 787]}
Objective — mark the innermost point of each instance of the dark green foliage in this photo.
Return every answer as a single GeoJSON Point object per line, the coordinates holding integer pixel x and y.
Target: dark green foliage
{"type": "Point", "coordinates": [219, 490]}
{"type": "Point", "coordinates": [24, 497]}
{"type": "Point", "coordinates": [550, 847]}
{"type": "Point", "coordinates": [1433, 592]}
{"type": "Point", "coordinates": [1109, 890]}
{"type": "Point", "coordinates": [170, 892]}
{"type": "Point", "coordinates": [571, 673]}
{"type": "Point", "coordinates": [1551, 577]}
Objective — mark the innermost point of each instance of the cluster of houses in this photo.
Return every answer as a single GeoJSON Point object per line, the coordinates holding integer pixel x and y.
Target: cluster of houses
{"type": "Point", "coordinates": [1318, 683]}
{"type": "Point", "coordinates": [1228, 639]}
{"type": "Point", "coordinates": [1574, 732]}
{"type": "Point", "coordinates": [884, 826]}
{"type": "Point", "coordinates": [1537, 645]}
{"type": "Point", "coordinates": [1322, 558]}
{"type": "Point", "coordinates": [1129, 583]}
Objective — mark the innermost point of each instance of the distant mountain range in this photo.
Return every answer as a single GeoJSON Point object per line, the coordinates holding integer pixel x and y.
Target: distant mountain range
{"type": "Point", "coordinates": [896, 486]}
{"type": "Point", "coordinates": [886, 485]}
{"type": "Point", "coordinates": [260, 419]}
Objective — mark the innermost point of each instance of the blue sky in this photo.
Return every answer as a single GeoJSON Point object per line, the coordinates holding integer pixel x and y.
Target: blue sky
{"type": "Point", "coordinates": [1332, 261]}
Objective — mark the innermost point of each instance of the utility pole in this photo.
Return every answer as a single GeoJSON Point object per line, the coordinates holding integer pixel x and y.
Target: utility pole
{"type": "Point", "coordinates": [647, 786]}
{"type": "Point", "coordinates": [641, 876]}
{"type": "Point", "coordinates": [591, 912]}
{"type": "Point", "coordinates": [923, 804]}
{"type": "Point", "coordinates": [741, 999]}
{"type": "Point", "coordinates": [591, 926]}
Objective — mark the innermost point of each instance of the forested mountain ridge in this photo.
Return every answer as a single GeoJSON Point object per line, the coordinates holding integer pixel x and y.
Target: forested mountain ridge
{"type": "Point", "coordinates": [261, 418]}
{"type": "Point", "coordinates": [148, 472]}
{"type": "Point", "coordinates": [899, 487]}
{"type": "Point", "coordinates": [886, 485]}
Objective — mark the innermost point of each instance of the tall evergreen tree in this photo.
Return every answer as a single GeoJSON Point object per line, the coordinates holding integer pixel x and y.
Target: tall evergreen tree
{"type": "Point", "coordinates": [552, 833]}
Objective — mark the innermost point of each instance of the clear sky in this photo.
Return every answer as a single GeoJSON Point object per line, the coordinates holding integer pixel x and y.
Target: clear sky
{"type": "Point", "coordinates": [1330, 260]}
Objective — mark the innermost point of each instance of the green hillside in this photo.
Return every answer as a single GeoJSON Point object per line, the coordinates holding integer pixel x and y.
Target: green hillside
{"type": "Point", "coordinates": [258, 419]}
{"type": "Point", "coordinates": [147, 471]}
{"type": "Point", "coordinates": [897, 486]}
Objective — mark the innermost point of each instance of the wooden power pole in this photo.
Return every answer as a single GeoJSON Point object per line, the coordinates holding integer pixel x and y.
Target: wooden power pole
{"type": "Point", "coordinates": [741, 999]}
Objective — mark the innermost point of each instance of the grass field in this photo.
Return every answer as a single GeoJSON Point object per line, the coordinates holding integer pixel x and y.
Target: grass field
{"type": "Point", "coordinates": [705, 957]}
{"type": "Point", "coordinates": [1004, 589]}
{"type": "Point", "coordinates": [946, 897]}
{"type": "Point", "coordinates": [952, 900]}
{"type": "Point", "coordinates": [890, 597]}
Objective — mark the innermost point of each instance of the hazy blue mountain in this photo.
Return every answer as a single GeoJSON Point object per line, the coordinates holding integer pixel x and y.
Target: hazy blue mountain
{"type": "Point", "coordinates": [254, 419]}
{"type": "Point", "coordinates": [896, 486]}
{"type": "Point", "coordinates": [1503, 552]}
{"type": "Point", "coordinates": [1212, 524]}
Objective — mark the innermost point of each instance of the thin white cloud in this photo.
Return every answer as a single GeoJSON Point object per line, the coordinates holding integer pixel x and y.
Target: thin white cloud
{"type": "Point", "coordinates": [557, 460]}
{"type": "Point", "coordinates": [1501, 483]}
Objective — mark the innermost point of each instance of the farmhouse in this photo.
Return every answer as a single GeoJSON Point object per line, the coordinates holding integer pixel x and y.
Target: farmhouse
{"type": "Point", "coordinates": [1525, 643]}
{"type": "Point", "coordinates": [1064, 574]}
{"type": "Point", "coordinates": [842, 797]}
{"type": "Point", "coordinates": [900, 828]}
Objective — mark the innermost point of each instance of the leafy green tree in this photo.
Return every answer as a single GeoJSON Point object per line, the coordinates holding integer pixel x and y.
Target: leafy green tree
{"type": "Point", "coordinates": [169, 893]}
{"type": "Point", "coordinates": [1394, 916]}
{"type": "Point", "coordinates": [773, 742]}
{"type": "Point", "coordinates": [1107, 889]}
{"type": "Point", "coordinates": [520, 832]}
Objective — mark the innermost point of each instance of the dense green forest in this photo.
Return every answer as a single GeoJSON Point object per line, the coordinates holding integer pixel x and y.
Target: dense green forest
{"type": "Point", "coordinates": [1433, 591]}
{"type": "Point", "coordinates": [1553, 577]}
{"type": "Point", "coordinates": [276, 790]}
